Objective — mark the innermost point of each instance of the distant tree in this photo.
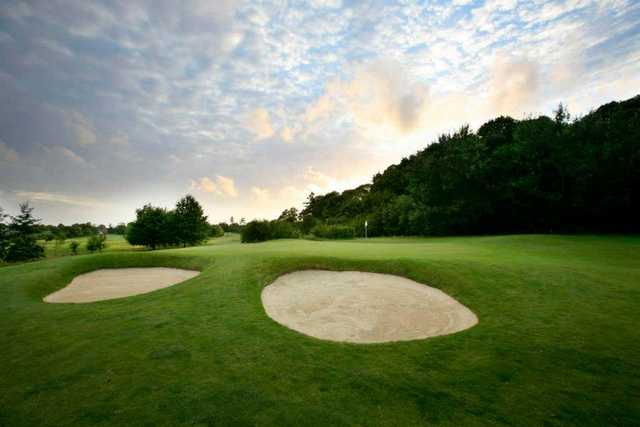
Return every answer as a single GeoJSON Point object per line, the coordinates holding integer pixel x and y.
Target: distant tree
{"type": "Point", "coordinates": [121, 228]}
{"type": "Point", "coordinates": [289, 215]}
{"type": "Point", "coordinates": [97, 242]}
{"type": "Point", "coordinates": [152, 228]}
{"type": "Point", "coordinates": [73, 245]}
{"type": "Point", "coordinates": [48, 236]}
{"type": "Point", "coordinates": [24, 224]}
{"type": "Point", "coordinates": [256, 231]}
{"type": "Point", "coordinates": [216, 230]}
{"type": "Point", "coordinates": [561, 114]}
{"type": "Point", "coordinates": [242, 222]}
{"type": "Point", "coordinates": [190, 224]}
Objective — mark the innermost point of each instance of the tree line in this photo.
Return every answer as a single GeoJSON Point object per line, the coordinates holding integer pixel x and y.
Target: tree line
{"type": "Point", "coordinates": [536, 175]}
{"type": "Point", "coordinates": [154, 227]}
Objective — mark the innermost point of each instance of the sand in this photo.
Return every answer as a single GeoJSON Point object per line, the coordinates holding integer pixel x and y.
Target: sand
{"type": "Point", "coordinates": [361, 307]}
{"type": "Point", "coordinates": [108, 284]}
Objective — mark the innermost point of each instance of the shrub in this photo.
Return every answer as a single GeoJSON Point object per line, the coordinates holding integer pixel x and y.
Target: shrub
{"type": "Point", "coordinates": [284, 230]}
{"type": "Point", "coordinates": [216, 231]}
{"type": "Point", "coordinates": [97, 242]}
{"type": "Point", "coordinates": [23, 248]}
{"type": "Point", "coordinates": [74, 247]}
{"type": "Point", "coordinates": [308, 222]}
{"type": "Point", "coordinates": [333, 231]}
{"type": "Point", "coordinates": [260, 231]}
{"type": "Point", "coordinates": [256, 231]}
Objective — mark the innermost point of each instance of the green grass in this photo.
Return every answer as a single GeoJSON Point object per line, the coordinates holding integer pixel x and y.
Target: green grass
{"type": "Point", "coordinates": [558, 341]}
{"type": "Point", "coordinates": [115, 243]}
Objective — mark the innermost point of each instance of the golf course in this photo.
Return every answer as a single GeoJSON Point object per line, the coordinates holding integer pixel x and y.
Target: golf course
{"type": "Point", "coordinates": [556, 342]}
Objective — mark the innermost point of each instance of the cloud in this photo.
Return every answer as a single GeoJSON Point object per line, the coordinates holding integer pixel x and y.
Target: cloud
{"type": "Point", "coordinates": [514, 85]}
{"type": "Point", "coordinates": [7, 153]}
{"type": "Point", "coordinates": [227, 186]}
{"type": "Point", "coordinates": [318, 178]}
{"type": "Point", "coordinates": [121, 140]}
{"type": "Point", "coordinates": [260, 194]}
{"type": "Point", "coordinates": [259, 123]}
{"type": "Point", "coordinates": [82, 128]}
{"type": "Point", "coordinates": [65, 153]}
{"type": "Point", "coordinates": [59, 198]}
{"type": "Point", "coordinates": [222, 185]}
{"type": "Point", "coordinates": [379, 94]}
{"type": "Point", "coordinates": [286, 133]}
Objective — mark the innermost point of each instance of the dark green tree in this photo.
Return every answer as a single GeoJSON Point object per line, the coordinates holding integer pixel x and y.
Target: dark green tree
{"type": "Point", "coordinates": [22, 244]}
{"type": "Point", "coordinates": [289, 215]}
{"type": "Point", "coordinates": [152, 228]}
{"type": "Point", "coordinates": [190, 223]}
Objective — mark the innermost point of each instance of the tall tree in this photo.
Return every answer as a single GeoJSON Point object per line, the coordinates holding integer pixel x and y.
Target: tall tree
{"type": "Point", "coordinates": [24, 223]}
{"type": "Point", "coordinates": [152, 228]}
{"type": "Point", "coordinates": [191, 225]}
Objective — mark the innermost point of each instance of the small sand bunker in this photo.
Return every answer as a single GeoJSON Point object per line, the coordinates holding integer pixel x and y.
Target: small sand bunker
{"type": "Point", "coordinates": [107, 284]}
{"type": "Point", "coordinates": [363, 307]}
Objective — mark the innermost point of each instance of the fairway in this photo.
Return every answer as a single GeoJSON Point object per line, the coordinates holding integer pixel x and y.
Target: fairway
{"type": "Point", "coordinates": [557, 342]}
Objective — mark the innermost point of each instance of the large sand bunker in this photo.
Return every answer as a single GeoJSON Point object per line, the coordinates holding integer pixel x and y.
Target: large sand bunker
{"type": "Point", "coordinates": [363, 307]}
{"type": "Point", "coordinates": [118, 283]}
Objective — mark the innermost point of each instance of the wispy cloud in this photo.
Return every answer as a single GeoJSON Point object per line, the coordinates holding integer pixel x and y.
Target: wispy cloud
{"type": "Point", "coordinates": [7, 153]}
{"type": "Point", "coordinates": [259, 123]}
{"type": "Point", "coordinates": [59, 199]}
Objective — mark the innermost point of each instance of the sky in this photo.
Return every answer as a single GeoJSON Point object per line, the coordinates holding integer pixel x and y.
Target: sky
{"type": "Point", "coordinates": [249, 106]}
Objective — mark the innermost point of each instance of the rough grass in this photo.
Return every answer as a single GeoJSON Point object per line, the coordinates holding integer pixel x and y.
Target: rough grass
{"type": "Point", "coordinates": [558, 341]}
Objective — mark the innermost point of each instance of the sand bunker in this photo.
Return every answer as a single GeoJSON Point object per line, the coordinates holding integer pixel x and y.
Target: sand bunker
{"type": "Point", "coordinates": [118, 283]}
{"type": "Point", "coordinates": [363, 307]}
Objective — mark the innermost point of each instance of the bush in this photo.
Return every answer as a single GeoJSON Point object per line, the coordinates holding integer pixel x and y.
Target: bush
{"type": "Point", "coordinates": [284, 230]}
{"type": "Point", "coordinates": [333, 231]}
{"type": "Point", "coordinates": [74, 247]}
{"type": "Point", "coordinates": [97, 242]}
{"type": "Point", "coordinates": [261, 231]}
{"type": "Point", "coordinates": [23, 248]}
{"type": "Point", "coordinates": [308, 222]}
{"type": "Point", "coordinates": [256, 231]}
{"type": "Point", "coordinates": [216, 231]}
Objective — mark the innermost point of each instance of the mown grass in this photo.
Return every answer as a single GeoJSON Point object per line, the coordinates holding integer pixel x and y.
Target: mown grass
{"type": "Point", "coordinates": [558, 341]}
{"type": "Point", "coordinates": [115, 243]}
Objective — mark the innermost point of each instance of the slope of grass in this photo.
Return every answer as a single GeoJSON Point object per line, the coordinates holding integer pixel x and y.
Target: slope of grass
{"type": "Point", "coordinates": [558, 341]}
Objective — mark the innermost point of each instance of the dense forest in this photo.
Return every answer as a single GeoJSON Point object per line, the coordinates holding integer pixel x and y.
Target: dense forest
{"type": "Point", "coordinates": [537, 175]}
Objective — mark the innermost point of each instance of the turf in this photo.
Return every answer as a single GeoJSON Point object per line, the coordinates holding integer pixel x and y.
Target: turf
{"type": "Point", "coordinates": [115, 243]}
{"type": "Point", "coordinates": [558, 341]}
